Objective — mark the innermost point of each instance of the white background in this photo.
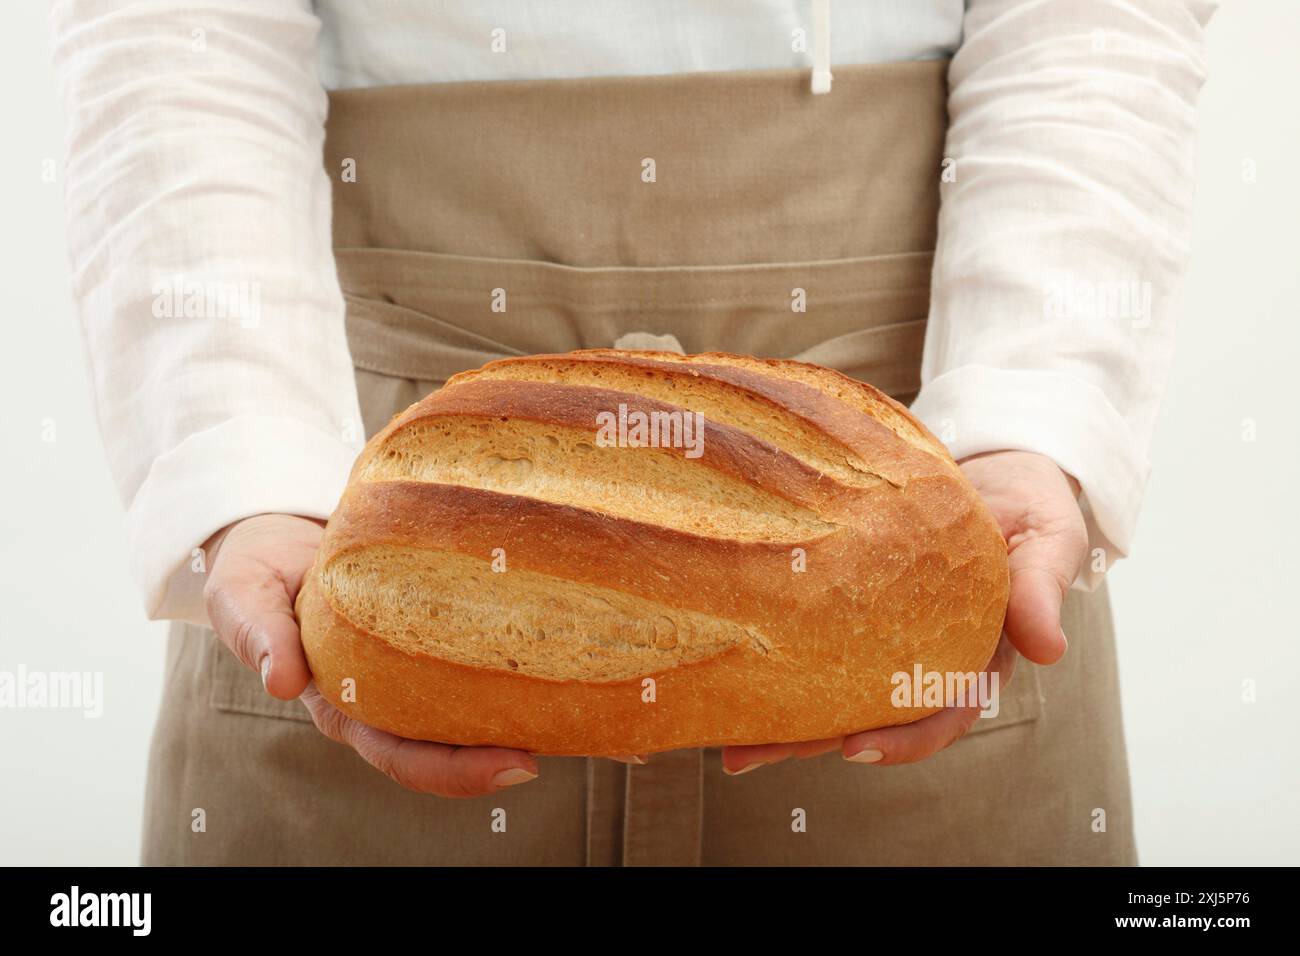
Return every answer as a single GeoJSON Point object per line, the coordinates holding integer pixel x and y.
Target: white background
{"type": "Point", "coordinates": [1204, 605]}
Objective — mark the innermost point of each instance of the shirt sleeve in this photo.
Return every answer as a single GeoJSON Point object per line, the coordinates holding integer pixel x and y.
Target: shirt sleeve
{"type": "Point", "coordinates": [202, 270]}
{"type": "Point", "coordinates": [1064, 229]}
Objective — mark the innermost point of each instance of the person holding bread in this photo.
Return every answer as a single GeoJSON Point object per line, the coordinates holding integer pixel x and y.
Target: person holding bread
{"type": "Point", "coordinates": [290, 221]}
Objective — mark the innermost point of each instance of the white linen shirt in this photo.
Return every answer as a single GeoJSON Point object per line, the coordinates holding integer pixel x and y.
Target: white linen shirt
{"type": "Point", "coordinates": [194, 167]}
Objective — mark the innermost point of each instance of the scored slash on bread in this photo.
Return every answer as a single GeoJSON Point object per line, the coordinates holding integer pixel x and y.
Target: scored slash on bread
{"type": "Point", "coordinates": [494, 576]}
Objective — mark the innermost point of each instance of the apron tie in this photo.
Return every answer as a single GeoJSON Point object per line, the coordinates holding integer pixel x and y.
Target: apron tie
{"type": "Point", "coordinates": [821, 18]}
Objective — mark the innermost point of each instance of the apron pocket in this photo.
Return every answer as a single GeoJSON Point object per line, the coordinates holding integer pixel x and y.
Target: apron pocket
{"type": "Point", "coordinates": [1020, 702]}
{"type": "Point", "coordinates": [236, 689]}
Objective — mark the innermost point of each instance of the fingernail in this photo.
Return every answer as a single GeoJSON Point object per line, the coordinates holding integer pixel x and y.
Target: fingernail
{"type": "Point", "coordinates": [266, 671]}
{"type": "Point", "coordinates": [637, 759]}
{"type": "Point", "coordinates": [1065, 639]}
{"type": "Point", "coordinates": [745, 769]}
{"type": "Point", "coordinates": [515, 775]}
{"type": "Point", "coordinates": [865, 756]}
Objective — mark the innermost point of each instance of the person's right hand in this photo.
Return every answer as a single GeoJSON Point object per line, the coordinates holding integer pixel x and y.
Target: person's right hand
{"type": "Point", "coordinates": [255, 568]}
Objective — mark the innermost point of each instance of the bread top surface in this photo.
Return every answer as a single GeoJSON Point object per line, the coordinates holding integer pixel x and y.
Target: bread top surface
{"type": "Point", "coordinates": [486, 527]}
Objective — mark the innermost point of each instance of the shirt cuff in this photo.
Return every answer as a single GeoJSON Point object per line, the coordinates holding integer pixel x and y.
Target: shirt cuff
{"type": "Point", "coordinates": [978, 408]}
{"type": "Point", "coordinates": [245, 466]}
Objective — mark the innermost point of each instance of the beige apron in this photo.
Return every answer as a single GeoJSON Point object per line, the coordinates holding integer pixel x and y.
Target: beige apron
{"type": "Point", "coordinates": [730, 211]}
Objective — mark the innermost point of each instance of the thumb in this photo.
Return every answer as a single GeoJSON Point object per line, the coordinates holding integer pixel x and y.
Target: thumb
{"type": "Point", "coordinates": [1042, 569]}
{"type": "Point", "coordinates": [252, 613]}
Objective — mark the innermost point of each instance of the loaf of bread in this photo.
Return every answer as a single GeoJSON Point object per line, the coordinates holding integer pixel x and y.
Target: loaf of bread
{"type": "Point", "coordinates": [612, 552]}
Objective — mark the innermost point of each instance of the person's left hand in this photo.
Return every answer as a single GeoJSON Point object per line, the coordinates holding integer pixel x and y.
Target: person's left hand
{"type": "Point", "coordinates": [1036, 506]}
